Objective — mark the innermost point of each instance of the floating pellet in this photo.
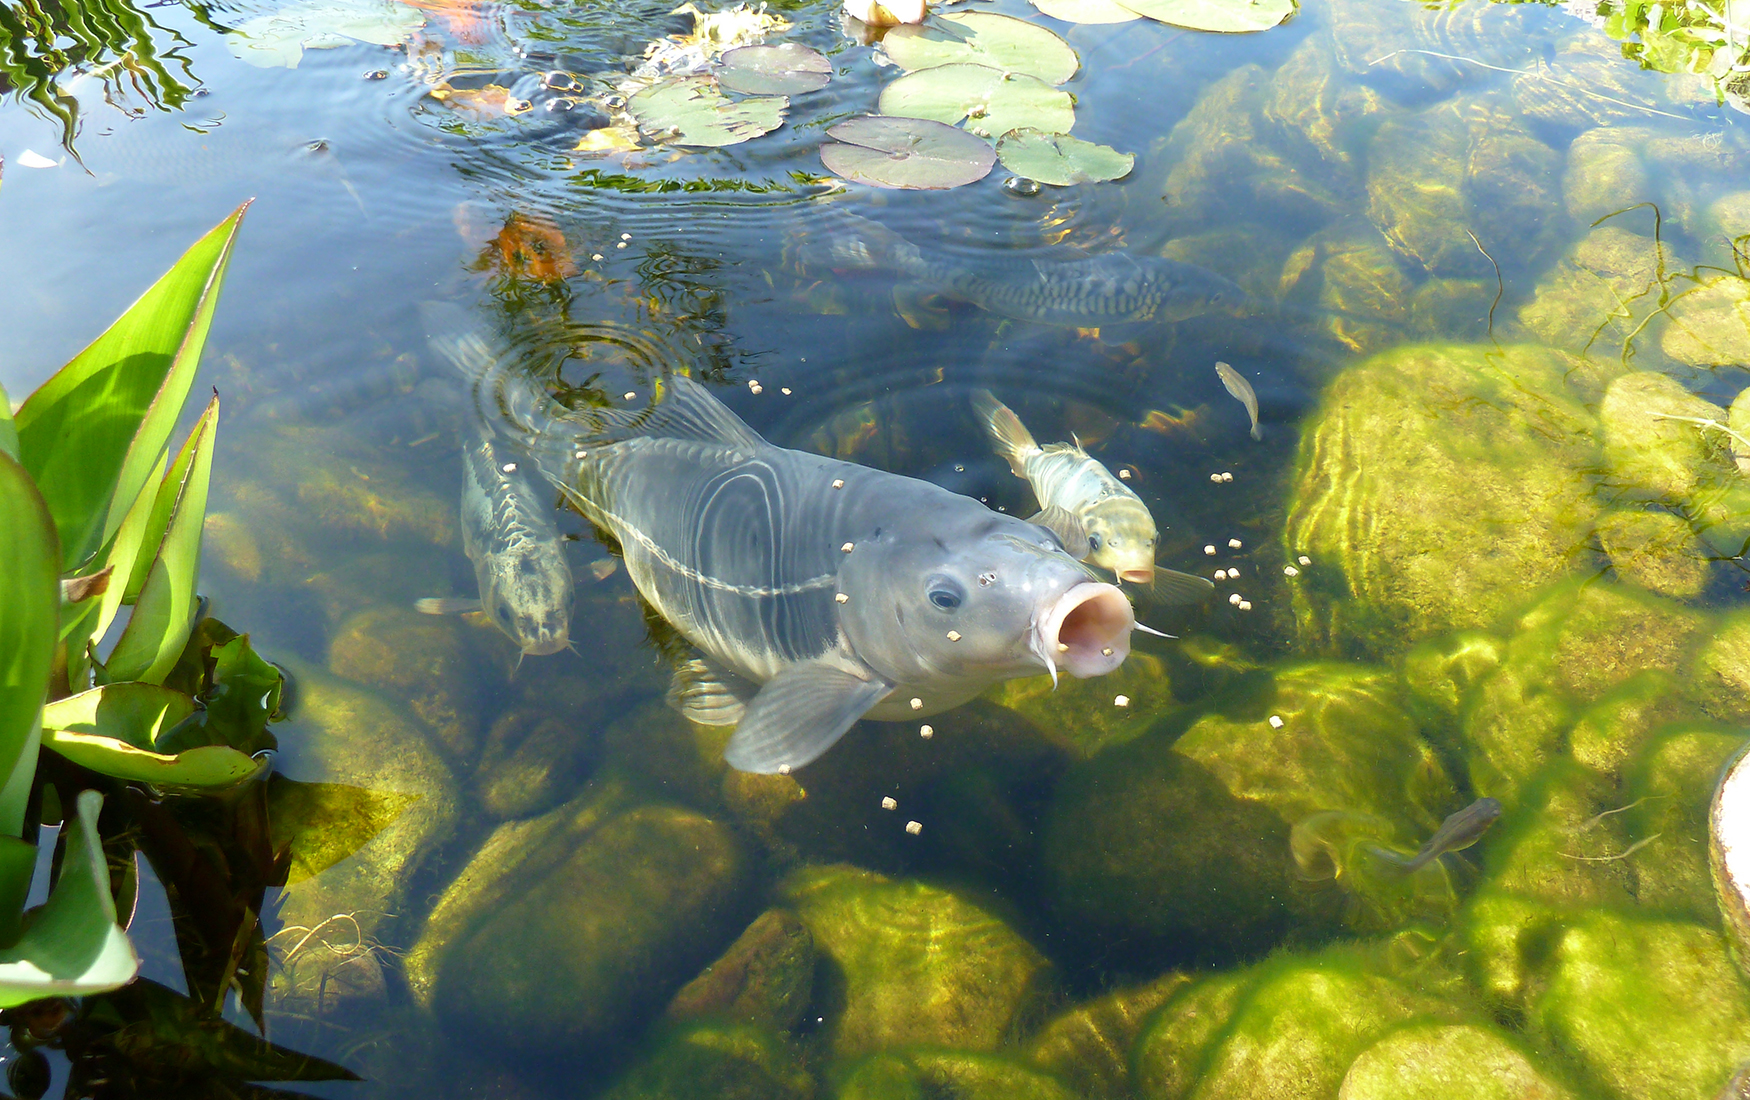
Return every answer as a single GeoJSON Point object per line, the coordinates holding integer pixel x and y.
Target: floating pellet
{"type": "Point", "coordinates": [1233, 544]}
{"type": "Point", "coordinates": [1291, 571]}
{"type": "Point", "coordinates": [783, 769]}
{"type": "Point", "coordinates": [785, 390]}
{"type": "Point", "coordinates": [842, 598]}
{"type": "Point", "coordinates": [1121, 700]}
{"type": "Point", "coordinates": [926, 732]}
{"type": "Point", "coordinates": [622, 244]}
{"type": "Point", "coordinates": [914, 827]}
{"type": "Point", "coordinates": [1226, 476]}
{"type": "Point", "coordinates": [953, 635]}
{"type": "Point", "coordinates": [1125, 474]}
{"type": "Point", "coordinates": [847, 547]}
{"type": "Point", "coordinates": [1233, 571]}
{"type": "Point", "coordinates": [1063, 647]}
{"type": "Point", "coordinates": [1107, 652]}
{"type": "Point", "coordinates": [1234, 599]}
{"type": "Point", "coordinates": [1245, 605]}
{"type": "Point", "coordinates": [1275, 721]}
{"type": "Point", "coordinates": [889, 804]}
{"type": "Point", "coordinates": [1215, 478]}
{"type": "Point", "coordinates": [625, 236]}
{"type": "Point", "coordinates": [1221, 574]}
{"type": "Point", "coordinates": [509, 467]}
{"type": "Point", "coordinates": [916, 703]}
{"type": "Point", "coordinates": [630, 395]}
{"type": "Point", "coordinates": [597, 257]}
{"type": "Point", "coordinates": [1304, 560]}
{"type": "Point", "coordinates": [579, 454]}
{"type": "Point", "coordinates": [1210, 550]}
{"type": "Point", "coordinates": [838, 483]}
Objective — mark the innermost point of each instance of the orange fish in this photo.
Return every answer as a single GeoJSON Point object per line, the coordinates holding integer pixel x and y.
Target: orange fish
{"type": "Point", "coordinates": [466, 21]}
{"type": "Point", "coordinates": [530, 246]}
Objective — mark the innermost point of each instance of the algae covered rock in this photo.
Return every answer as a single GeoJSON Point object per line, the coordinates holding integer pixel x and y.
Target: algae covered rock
{"type": "Point", "coordinates": [1722, 669]}
{"type": "Point", "coordinates": [1592, 301]}
{"type": "Point", "coordinates": [913, 963]}
{"type": "Point", "coordinates": [1670, 789]}
{"type": "Point", "coordinates": [923, 1074]}
{"type": "Point", "coordinates": [1088, 1046]}
{"type": "Point", "coordinates": [534, 759]}
{"type": "Point", "coordinates": [1605, 173]}
{"type": "Point", "coordinates": [1651, 440]}
{"type": "Point", "coordinates": [766, 976]}
{"type": "Point", "coordinates": [428, 661]}
{"type": "Point", "coordinates": [1441, 1061]}
{"type": "Point", "coordinates": [585, 936]}
{"type": "Point", "coordinates": [1711, 326]}
{"type": "Point", "coordinates": [1441, 673]}
{"type": "Point", "coordinates": [1436, 487]}
{"type": "Point", "coordinates": [1655, 550]}
{"type": "Point", "coordinates": [1214, 806]}
{"type": "Point", "coordinates": [1351, 276]}
{"type": "Point", "coordinates": [718, 1061]}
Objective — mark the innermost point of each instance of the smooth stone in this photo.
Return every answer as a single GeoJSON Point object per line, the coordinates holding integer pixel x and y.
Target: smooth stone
{"type": "Point", "coordinates": [1655, 550]}
{"type": "Point", "coordinates": [426, 661]}
{"type": "Point", "coordinates": [1088, 1046]}
{"type": "Point", "coordinates": [1672, 788]}
{"type": "Point", "coordinates": [962, 1075]}
{"type": "Point", "coordinates": [535, 759]}
{"type": "Point", "coordinates": [1653, 455]}
{"type": "Point", "coordinates": [1721, 672]}
{"type": "Point", "coordinates": [718, 1061]}
{"type": "Point", "coordinates": [1580, 303]}
{"type": "Point", "coordinates": [765, 977]}
{"type": "Point", "coordinates": [1444, 1061]}
{"type": "Point", "coordinates": [1710, 327]}
{"type": "Point", "coordinates": [1728, 823]}
{"type": "Point", "coordinates": [1604, 172]}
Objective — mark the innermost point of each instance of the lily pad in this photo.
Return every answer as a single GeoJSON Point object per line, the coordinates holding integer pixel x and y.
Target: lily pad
{"type": "Point", "coordinates": [991, 102]}
{"type": "Point", "coordinates": [279, 40]}
{"type": "Point", "coordinates": [789, 69]}
{"type": "Point", "coordinates": [689, 110]}
{"type": "Point", "coordinates": [1059, 159]}
{"type": "Point", "coordinates": [910, 153]}
{"type": "Point", "coordinates": [981, 38]}
{"type": "Point", "coordinates": [1087, 11]}
{"type": "Point", "coordinates": [1225, 16]}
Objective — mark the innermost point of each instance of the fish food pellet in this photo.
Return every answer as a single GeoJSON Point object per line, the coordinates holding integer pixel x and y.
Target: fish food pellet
{"type": "Point", "coordinates": [756, 388]}
{"type": "Point", "coordinates": [889, 804]}
{"type": "Point", "coordinates": [1226, 476]}
{"type": "Point", "coordinates": [914, 827]}
{"type": "Point", "coordinates": [1245, 605]}
{"type": "Point", "coordinates": [847, 547]}
{"type": "Point", "coordinates": [1275, 721]}
{"type": "Point", "coordinates": [1234, 599]}
{"type": "Point", "coordinates": [953, 635]}
{"type": "Point", "coordinates": [785, 390]}
{"type": "Point", "coordinates": [1210, 550]}
{"type": "Point", "coordinates": [1121, 700]}
{"type": "Point", "coordinates": [1233, 571]}
{"type": "Point", "coordinates": [926, 732]}
{"type": "Point", "coordinates": [596, 256]}
{"type": "Point", "coordinates": [1215, 478]}
{"type": "Point", "coordinates": [783, 769]}
{"type": "Point", "coordinates": [1221, 574]}
{"type": "Point", "coordinates": [838, 483]}
{"type": "Point", "coordinates": [842, 598]}
{"type": "Point", "coordinates": [1063, 647]}
{"type": "Point", "coordinates": [1233, 544]}
{"type": "Point", "coordinates": [625, 236]}
{"type": "Point", "coordinates": [622, 244]}
{"type": "Point", "coordinates": [1125, 474]}
{"type": "Point", "coordinates": [1107, 652]}
{"type": "Point", "coordinates": [509, 467]}
{"type": "Point", "coordinates": [1304, 560]}
{"type": "Point", "coordinates": [916, 703]}
{"type": "Point", "coordinates": [630, 395]}
{"type": "Point", "coordinates": [1291, 571]}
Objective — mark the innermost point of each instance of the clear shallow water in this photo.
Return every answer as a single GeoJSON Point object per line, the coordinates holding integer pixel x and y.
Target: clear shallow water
{"type": "Point", "coordinates": [1486, 606]}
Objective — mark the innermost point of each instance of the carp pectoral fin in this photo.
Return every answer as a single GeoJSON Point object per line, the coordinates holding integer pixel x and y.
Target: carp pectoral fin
{"type": "Point", "coordinates": [920, 307]}
{"type": "Point", "coordinates": [1068, 529]}
{"type": "Point", "coordinates": [1174, 587]}
{"type": "Point", "coordinates": [432, 605]}
{"type": "Point", "coordinates": [800, 713]}
{"type": "Point", "coordinates": [709, 695]}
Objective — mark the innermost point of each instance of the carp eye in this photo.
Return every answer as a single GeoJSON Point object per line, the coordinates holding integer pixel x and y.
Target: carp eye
{"type": "Point", "coordinates": [1093, 541]}
{"type": "Point", "coordinates": [945, 594]}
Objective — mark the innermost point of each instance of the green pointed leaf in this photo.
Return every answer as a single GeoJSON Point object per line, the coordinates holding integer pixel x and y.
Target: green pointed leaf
{"type": "Point", "coordinates": [1225, 16]}
{"type": "Point", "coordinates": [164, 613]}
{"type": "Point", "coordinates": [137, 714]}
{"type": "Point", "coordinates": [243, 696]}
{"type": "Point", "coordinates": [208, 767]}
{"type": "Point", "coordinates": [30, 608]}
{"type": "Point", "coordinates": [689, 110]}
{"type": "Point", "coordinates": [127, 551]}
{"type": "Point", "coordinates": [17, 866]}
{"type": "Point", "coordinates": [982, 38]}
{"type": "Point", "coordinates": [991, 102]}
{"type": "Point", "coordinates": [92, 433]}
{"type": "Point", "coordinates": [73, 946]}
{"type": "Point", "coordinates": [1059, 159]}
{"type": "Point", "coordinates": [8, 430]}
{"type": "Point", "coordinates": [163, 507]}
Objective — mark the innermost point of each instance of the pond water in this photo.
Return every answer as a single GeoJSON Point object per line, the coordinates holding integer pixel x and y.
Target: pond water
{"type": "Point", "coordinates": [1488, 545]}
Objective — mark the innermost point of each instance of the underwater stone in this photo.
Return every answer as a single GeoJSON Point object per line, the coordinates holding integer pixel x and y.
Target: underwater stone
{"type": "Point", "coordinates": [1362, 293]}
{"type": "Point", "coordinates": [581, 949]}
{"type": "Point", "coordinates": [1396, 48]}
{"type": "Point", "coordinates": [1436, 487]}
{"type": "Point", "coordinates": [1655, 550]}
{"type": "Point", "coordinates": [425, 660]}
{"type": "Point", "coordinates": [1725, 845]}
{"type": "Point", "coordinates": [1614, 730]}
{"type": "Point", "coordinates": [916, 1074]}
{"type": "Point", "coordinates": [670, 756]}
{"type": "Point", "coordinates": [1442, 672]}
{"type": "Point", "coordinates": [1654, 1007]}
{"type": "Point", "coordinates": [1653, 455]}
{"type": "Point", "coordinates": [1080, 712]}
{"type": "Point", "coordinates": [1311, 103]}
{"type": "Point", "coordinates": [766, 976]}
{"type": "Point", "coordinates": [227, 541]}
{"type": "Point", "coordinates": [1605, 173]}
{"type": "Point", "coordinates": [1088, 1046]}
{"type": "Point", "coordinates": [1729, 216]}
{"type": "Point", "coordinates": [718, 1061]}
{"type": "Point", "coordinates": [1580, 303]}
{"type": "Point", "coordinates": [1165, 1062]}
{"type": "Point", "coordinates": [1454, 309]}
{"type": "Point", "coordinates": [1554, 848]}
{"type": "Point", "coordinates": [1722, 669]}
{"type": "Point", "coordinates": [1444, 1061]}
{"type": "Point", "coordinates": [913, 963]}
{"type": "Point", "coordinates": [1583, 86]}
{"type": "Point", "coordinates": [534, 760]}
{"type": "Point", "coordinates": [1673, 783]}
{"type": "Point", "coordinates": [1710, 327]}
{"type": "Point", "coordinates": [1738, 419]}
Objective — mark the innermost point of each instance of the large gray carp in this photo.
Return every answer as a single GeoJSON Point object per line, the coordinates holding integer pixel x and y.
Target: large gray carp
{"type": "Point", "coordinates": [818, 591]}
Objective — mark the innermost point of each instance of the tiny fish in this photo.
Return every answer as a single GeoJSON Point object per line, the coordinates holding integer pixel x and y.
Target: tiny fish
{"type": "Point", "coordinates": [1243, 393]}
{"type": "Point", "coordinates": [1098, 518]}
{"type": "Point", "coordinates": [1457, 832]}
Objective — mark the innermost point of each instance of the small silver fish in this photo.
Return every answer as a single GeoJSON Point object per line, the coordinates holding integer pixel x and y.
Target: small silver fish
{"type": "Point", "coordinates": [1098, 517]}
{"type": "Point", "coordinates": [1243, 392]}
{"type": "Point", "coordinates": [1456, 833]}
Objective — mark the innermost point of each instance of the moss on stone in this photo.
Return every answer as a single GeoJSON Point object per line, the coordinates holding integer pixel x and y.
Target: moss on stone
{"type": "Point", "coordinates": [1655, 550]}
{"type": "Point", "coordinates": [1088, 1046]}
{"type": "Point", "coordinates": [1721, 672]}
{"type": "Point", "coordinates": [427, 661]}
{"type": "Point", "coordinates": [1670, 789]}
{"type": "Point", "coordinates": [1431, 1061]}
{"type": "Point", "coordinates": [1711, 325]}
{"type": "Point", "coordinates": [924, 1074]}
{"type": "Point", "coordinates": [1654, 455]}
{"type": "Point", "coordinates": [718, 1061]}
{"type": "Point", "coordinates": [765, 977]}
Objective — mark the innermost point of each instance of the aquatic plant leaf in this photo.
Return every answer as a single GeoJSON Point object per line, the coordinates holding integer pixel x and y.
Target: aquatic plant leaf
{"type": "Point", "coordinates": [981, 38]}
{"type": "Point", "coordinates": [208, 767]}
{"type": "Point", "coordinates": [689, 110]}
{"type": "Point", "coordinates": [73, 946]}
{"type": "Point", "coordinates": [30, 599]}
{"type": "Point", "coordinates": [1090, 12]}
{"type": "Point", "coordinates": [1059, 159]}
{"type": "Point", "coordinates": [321, 824]}
{"type": "Point", "coordinates": [8, 430]}
{"type": "Point", "coordinates": [136, 714]}
{"type": "Point", "coordinates": [159, 628]}
{"type": "Point", "coordinates": [1225, 16]}
{"type": "Point", "coordinates": [787, 69]}
{"type": "Point", "coordinates": [239, 692]}
{"type": "Point", "coordinates": [914, 153]}
{"type": "Point", "coordinates": [991, 102]}
{"type": "Point", "coordinates": [280, 39]}
{"type": "Point", "coordinates": [93, 432]}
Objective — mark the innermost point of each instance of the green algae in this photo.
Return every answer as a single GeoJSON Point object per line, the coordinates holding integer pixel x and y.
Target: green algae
{"type": "Point", "coordinates": [717, 1061]}
{"type": "Point", "coordinates": [1088, 1046]}
{"type": "Point", "coordinates": [923, 1074]}
{"type": "Point", "coordinates": [1432, 1061]}
{"type": "Point", "coordinates": [765, 977]}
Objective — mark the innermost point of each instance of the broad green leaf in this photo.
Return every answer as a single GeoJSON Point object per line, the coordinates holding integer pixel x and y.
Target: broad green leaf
{"type": "Point", "coordinates": [73, 946]}
{"type": "Point", "coordinates": [991, 102]}
{"type": "Point", "coordinates": [8, 430]}
{"type": "Point", "coordinates": [15, 792]}
{"type": "Point", "coordinates": [208, 767]}
{"type": "Point", "coordinates": [913, 153]}
{"type": "Point", "coordinates": [159, 627]}
{"type": "Point", "coordinates": [323, 823]}
{"type": "Point", "coordinates": [243, 696]}
{"type": "Point", "coordinates": [280, 39]}
{"type": "Point", "coordinates": [92, 433]}
{"type": "Point", "coordinates": [30, 609]}
{"type": "Point", "coordinates": [137, 714]}
{"type": "Point", "coordinates": [689, 110]}
{"type": "Point", "coordinates": [1087, 11]}
{"type": "Point", "coordinates": [1059, 159]}
{"type": "Point", "coordinates": [982, 38]}
{"type": "Point", "coordinates": [1226, 16]}
{"type": "Point", "coordinates": [126, 550]}
{"type": "Point", "coordinates": [786, 69]}
{"type": "Point", "coordinates": [17, 866]}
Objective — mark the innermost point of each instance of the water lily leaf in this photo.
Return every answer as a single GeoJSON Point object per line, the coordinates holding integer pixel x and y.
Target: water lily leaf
{"type": "Point", "coordinates": [30, 598]}
{"type": "Point", "coordinates": [789, 69]}
{"type": "Point", "coordinates": [279, 40]}
{"type": "Point", "coordinates": [93, 432]}
{"type": "Point", "coordinates": [991, 102]}
{"type": "Point", "coordinates": [689, 110]}
{"type": "Point", "coordinates": [981, 38]}
{"type": "Point", "coordinates": [73, 947]}
{"type": "Point", "coordinates": [1059, 159]}
{"type": "Point", "coordinates": [1226, 16]}
{"type": "Point", "coordinates": [1087, 11]}
{"type": "Point", "coordinates": [912, 153]}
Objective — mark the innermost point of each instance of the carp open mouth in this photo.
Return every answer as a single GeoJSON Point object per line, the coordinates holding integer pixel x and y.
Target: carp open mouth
{"type": "Point", "coordinates": [1086, 632]}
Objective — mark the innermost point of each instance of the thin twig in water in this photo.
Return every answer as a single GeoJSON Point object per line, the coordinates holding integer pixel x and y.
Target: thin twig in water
{"type": "Point", "coordinates": [1541, 76]}
{"type": "Point", "coordinates": [1596, 818]}
{"type": "Point", "coordinates": [1624, 854]}
{"type": "Point", "coordinates": [1705, 423]}
{"type": "Point", "coordinates": [1500, 287]}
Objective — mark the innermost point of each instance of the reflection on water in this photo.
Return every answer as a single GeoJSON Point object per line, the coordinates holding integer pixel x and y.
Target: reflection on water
{"type": "Point", "coordinates": [1489, 546]}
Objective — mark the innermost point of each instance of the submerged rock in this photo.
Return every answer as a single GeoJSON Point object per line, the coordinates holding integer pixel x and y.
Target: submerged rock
{"type": "Point", "coordinates": [1721, 673]}
{"type": "Point", "coordinates": [534, 760]}
{"type": "Point", "coordinates": [913, 963]}
{"type": "Point", "coordinates": [428, 661]}
{"type": "Point", "coordinates": [718, 1061]}
{"type": "Point", "coordinates": [1434, 1061]}
{"type": "Point", "coordinates": [1437, 487]}
{"type": "Point", "coordinates": [1353, 281]}
{"type": "Point", "coordinates": [917, 1074]}
{"type": "Point", "coordinates": [1653, 453]}
{"type": "Point", "coordinates": [1728, 846]}
{"type": "Point", "coordinates": [1088, 1047]}
{"type": "Point", "coordinates": [1711, 325]}
{"type": "Point", "coordinates": [1313, 104]}
{"type": "Point", "coordinates": [766, 976]}
{"type": "Point", "coordinates": [1655, 550]}
{"type": "Point", "coordinates": [1605, 173]}
{"type": "Point", "coordinates": [1670, 789]}
{"type": "Point", "coordinates": [1596, 297]}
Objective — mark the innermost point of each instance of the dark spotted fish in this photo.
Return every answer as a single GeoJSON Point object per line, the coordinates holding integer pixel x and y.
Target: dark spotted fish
{"type": "Point", "coordinates": [1456, 833]}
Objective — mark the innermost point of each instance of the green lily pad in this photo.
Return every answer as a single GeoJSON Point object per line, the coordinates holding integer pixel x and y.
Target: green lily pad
{"type": "Point", "coordinates": [689, 110]}
{"type": "Point", "coordinates": [991, 102]}
{"type": "Point", "coordinates": [279, 40]}
{"type": "Point", "coordinates": [1225, 16]}
{"type": "Point", "coordinates": [912, 153]}
{"type": "Point", "coordinates": [981, 38]}
{"type": "Point", "coordinates": [1059, 159]}
{"type": "Point", "coordinates": [787, 69]}
{"type": "Point", "coordinates": [1087, 11]}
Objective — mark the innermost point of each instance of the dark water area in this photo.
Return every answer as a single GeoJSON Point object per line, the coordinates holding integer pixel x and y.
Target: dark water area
{"type": "Point", "coordinates": [1489, 545]}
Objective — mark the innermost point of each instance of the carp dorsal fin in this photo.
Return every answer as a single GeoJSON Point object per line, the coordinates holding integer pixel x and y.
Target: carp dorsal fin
{"type": "Point", "coordinates": [683, 409]}
{"type": "Point", "coordinates": [708, 695]}
{"type": "Point", "coordinates": [1174, 587]}
{"type": "Point", "coordinates": [801, 712]}
{"type": "Point", "coordinates": [1063, 523]}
